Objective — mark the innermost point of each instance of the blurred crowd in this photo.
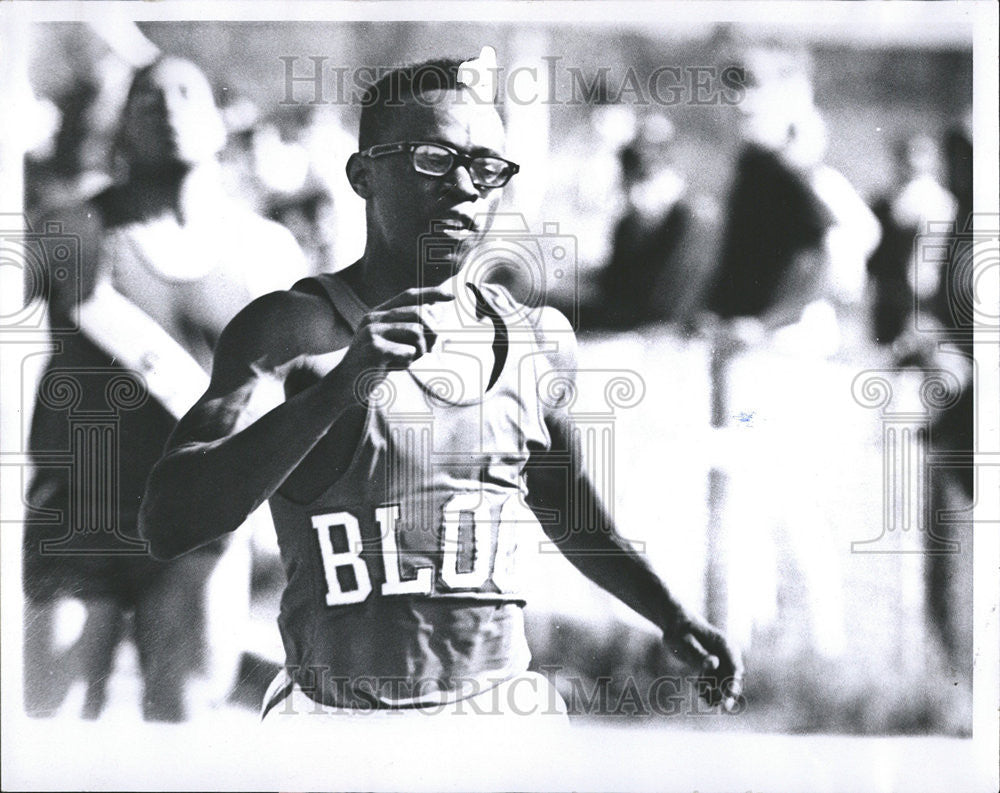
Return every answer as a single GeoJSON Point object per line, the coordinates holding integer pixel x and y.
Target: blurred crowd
{"type": "Point", "coordinates": [791, 232]}
{"type": "Point", "coordinates": [791, 258]}
{"type": "Point", "coordinates": [792, 248]}
{"type": "Point", "coordinates": [285, 163]}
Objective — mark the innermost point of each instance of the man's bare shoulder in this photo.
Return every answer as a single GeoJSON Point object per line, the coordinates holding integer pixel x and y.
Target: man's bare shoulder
{"type": "Point", "coordinates": [280, 328]}
{"type": "Point", "coordinates": [555, 336]}
{"type": "Point", "coordinates": [552, 322]}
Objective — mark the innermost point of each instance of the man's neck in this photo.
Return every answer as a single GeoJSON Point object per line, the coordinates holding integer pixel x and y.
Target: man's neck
{"type": "Point", "coordinates": [380, 275]}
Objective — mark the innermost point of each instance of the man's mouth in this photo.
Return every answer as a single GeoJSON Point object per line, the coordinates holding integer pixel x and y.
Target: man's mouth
{"type": "Point", "coordinates": [454, 222]}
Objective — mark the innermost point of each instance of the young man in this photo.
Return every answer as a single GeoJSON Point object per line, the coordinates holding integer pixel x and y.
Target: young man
{"type": "Point", "coordinates": [413, 436]}
{"type": "Point", "coordinates": [167, 260]}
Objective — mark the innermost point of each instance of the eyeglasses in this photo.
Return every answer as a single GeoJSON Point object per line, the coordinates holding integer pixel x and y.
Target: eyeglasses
{"type": "Point", "coordinates": [437, 160]}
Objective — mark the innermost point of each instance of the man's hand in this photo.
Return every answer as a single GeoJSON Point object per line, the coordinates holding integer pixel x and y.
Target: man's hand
{"type": "Point", "coordinates": [393, 335]}
{"type": "Point", "coordinates": [704, 648]}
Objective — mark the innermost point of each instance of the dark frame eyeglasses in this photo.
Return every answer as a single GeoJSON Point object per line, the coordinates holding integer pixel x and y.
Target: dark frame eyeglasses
{"type": "Point", "coordinates": [437, 160]}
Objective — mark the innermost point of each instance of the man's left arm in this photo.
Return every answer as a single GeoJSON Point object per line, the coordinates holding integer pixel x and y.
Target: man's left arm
{"type": "Point", "coordinates": [560, 491]}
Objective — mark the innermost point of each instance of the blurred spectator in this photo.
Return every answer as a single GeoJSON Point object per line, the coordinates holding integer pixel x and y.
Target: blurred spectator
{"type": "Point", "coordinates": [950, 476]}
{"type": "Point", "coordinates": [339, 224]}
{"type": "Point", "coordinates": [949, 538]}
{"type": "Point", "coordinates": [584, 173]}
{"type": "Point", "coordinates": [238, 159]}
{"type": "Point", "coordinates": [958, 167]}
{"type": "Point", "coordinates": [75, 167]}
{"type": "Point", "coordinates": [309, 215]}
{"type": "Point", "coordinates": [651, 275]}
{"type": "Point", "coordinates": [167, 259]}
{"type": "Point", "coordinates": [795, 242]}
{"type": "Point", "coordinates": [796, 234]}
{"type": "Point", "coordinates": [289, 166]}
{"type": "Point", "coordinates": [57, 171]}
{"type": "Point", "coordinates": [916, 199]}
{"type": "Point", "coordinates": [774, 221]}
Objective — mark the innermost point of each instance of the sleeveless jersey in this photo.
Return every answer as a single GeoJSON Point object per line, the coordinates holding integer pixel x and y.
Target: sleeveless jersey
{"type": "Point", "coordinates": [401, 577]}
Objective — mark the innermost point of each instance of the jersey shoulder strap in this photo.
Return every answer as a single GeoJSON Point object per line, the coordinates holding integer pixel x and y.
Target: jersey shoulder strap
{"type": "Point", "coordinates": [499, 298]}
{"type": "Point", "coordinates": [344, 299]}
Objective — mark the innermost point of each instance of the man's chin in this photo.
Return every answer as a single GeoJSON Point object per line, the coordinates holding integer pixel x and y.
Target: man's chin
{"type": "Point", "coordinates": [448, 247]}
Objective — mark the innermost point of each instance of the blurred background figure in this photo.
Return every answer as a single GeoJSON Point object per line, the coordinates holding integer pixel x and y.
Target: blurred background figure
{"type": "Point", "coordinates": [53, 167]}
{"type": "Point", "coordinates": [329, 206]}
{"type": "Point", "coordinates": [168, 258]}
{"type": "Point", "coordinates": [585, 183]}
{"type": "Point", "coordinates": [796, 232]}
{"type": "Point", "coordinates": [934, 287]}
{"type": "Point", "coordinates": [958, 178]}
{"type": "Point", "coordinates": [958, 165]}
{"type": "Point", "coordinates": [950, 483]}
{"type": "Point", "coordinates": [72, 166]}
{"type": "Point", "coordinates": [795, 239]}
{"type": "Point", "coordinates": [288, 165]}
{"type": "Point", "coordinates": [653, 274]}
{"type": "Point", "coordinates": [916, 198]}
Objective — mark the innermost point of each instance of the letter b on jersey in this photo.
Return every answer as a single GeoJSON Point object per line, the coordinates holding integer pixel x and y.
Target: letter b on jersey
{"type": "Point", "coordinates": [347, 579]}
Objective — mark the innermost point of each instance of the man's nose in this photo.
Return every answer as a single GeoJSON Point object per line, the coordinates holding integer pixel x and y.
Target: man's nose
{"type": "Point", "coordinates": [461, 183]}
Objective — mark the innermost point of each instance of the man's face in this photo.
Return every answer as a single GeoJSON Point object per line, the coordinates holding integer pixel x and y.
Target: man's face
{"type": "Point", "coordinates": [406, 205]}
{"type": "Point", "coordinates": [171, 117]}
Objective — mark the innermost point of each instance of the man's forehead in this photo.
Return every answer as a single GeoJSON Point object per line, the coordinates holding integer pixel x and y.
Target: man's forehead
{"type": "Point", "coordinates": [455, 115]}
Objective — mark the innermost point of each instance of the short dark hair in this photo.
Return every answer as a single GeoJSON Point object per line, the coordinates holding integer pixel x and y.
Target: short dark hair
{"type": "Point", "coordinates": [395, 87]}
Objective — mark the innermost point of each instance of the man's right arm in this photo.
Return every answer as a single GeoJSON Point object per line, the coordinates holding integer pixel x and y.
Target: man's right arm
{"type": "Point", "coordinates": [224, 459]}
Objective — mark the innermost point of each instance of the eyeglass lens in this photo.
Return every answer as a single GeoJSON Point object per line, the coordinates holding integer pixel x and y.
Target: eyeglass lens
{"type": "Point", "coordinates": [436, 161]}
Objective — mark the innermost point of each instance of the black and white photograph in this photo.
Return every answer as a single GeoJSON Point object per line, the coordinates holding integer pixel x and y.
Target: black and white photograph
{"type": "Point", "coordinates": [553, 396]}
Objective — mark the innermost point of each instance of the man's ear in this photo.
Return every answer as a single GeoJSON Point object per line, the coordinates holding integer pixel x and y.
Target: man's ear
{"type": "Point", "coordinates": [359, 175]}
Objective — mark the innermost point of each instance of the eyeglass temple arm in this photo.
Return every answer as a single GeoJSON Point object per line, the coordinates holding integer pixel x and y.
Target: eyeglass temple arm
{"type": "Point", "coordinates": [384, 148]}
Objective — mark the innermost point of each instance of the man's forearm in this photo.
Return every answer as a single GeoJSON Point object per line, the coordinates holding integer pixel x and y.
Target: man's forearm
{"type": "Point", "coordinates": [608, 559]}
{"type": "Point", "coordinates": [200, 491]}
